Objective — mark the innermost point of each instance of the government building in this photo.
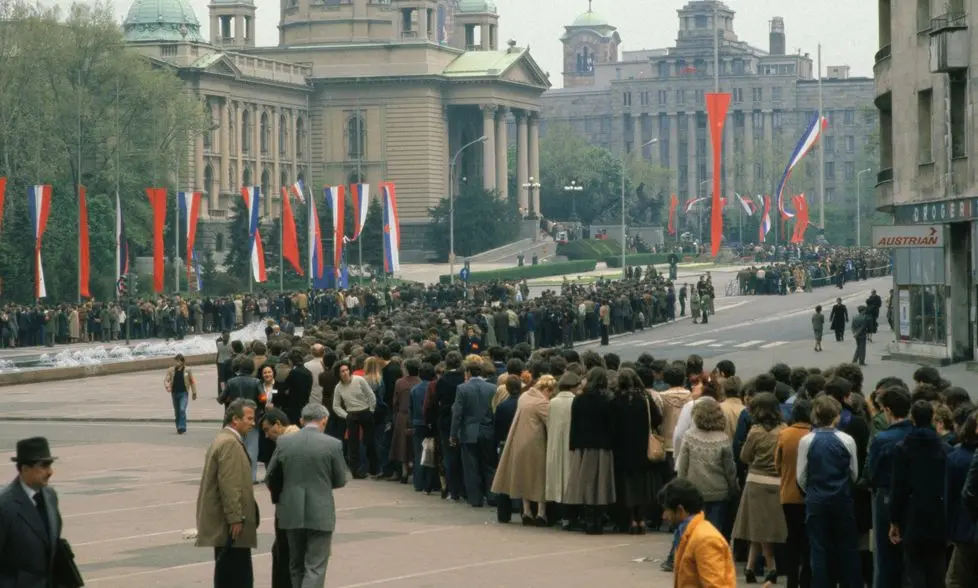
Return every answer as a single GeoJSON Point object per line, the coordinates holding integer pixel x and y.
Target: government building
{"type": "Point", "coordinates": [623, 99]}
{"type": "Point", "coordinates": [369, 90]}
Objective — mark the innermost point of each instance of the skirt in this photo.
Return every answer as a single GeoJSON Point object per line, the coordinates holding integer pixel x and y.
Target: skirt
{"type": "Point", "coordinates": [634, 489]}
{"type": "Point", "coordinates": [760, 518]}
{"type": "Point", "coordinates": [592, 478]}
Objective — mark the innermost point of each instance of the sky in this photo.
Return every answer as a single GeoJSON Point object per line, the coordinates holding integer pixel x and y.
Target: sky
{"type": "Point", "coordinates": [840, 25]}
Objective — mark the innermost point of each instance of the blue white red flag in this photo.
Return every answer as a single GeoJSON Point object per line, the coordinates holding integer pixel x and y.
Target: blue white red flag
{"type": "Point", "coordinates": [765, 220]}
{"type": "Point", "coordinates": [299, 191]}
{"type": "Point", "coordinates": [749, 207]}
{"type": "Point", "coordinates": [392, 230]}
{"type": "Point", "coordinates": [808, 140]}
{"type": "Point", "coordinates": [189, 205]}
{"type": "Point", "coordinates": [316, 245]}
{"type": "Point", "coordinates": [335, 200]}
{"type": "Point", "coordinates": [360, 193]}
{"type": "Point", "coordinates": [38, 207]}
{"type": "Point", "coordinates": [252, 197]}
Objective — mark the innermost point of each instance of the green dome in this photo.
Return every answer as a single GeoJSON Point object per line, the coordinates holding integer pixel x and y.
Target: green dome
{"type": "Point", "coordinates": [590, 19]}
{"type": "Point", "coordinates": [161, 20]}
{"type": "Point", "coordinates": [477, 6]}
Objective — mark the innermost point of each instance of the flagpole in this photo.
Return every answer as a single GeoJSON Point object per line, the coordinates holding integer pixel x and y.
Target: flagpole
{"type": "Point", "coordinates": [118, 203]}
{"type": "Point", "coordinates": [281, 243]}
{"type": "Point", "coordinates": [78, 185]}
{"type": "Point", "coordinates": [310, 238]}
{"type": "Point", "coordinates": [821, 148]}
{"type": "Point", "coordinates": [360, 123]}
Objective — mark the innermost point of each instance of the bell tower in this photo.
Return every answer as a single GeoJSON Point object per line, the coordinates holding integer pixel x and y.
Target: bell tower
{"type": "Point", "coordinates": [477, 26]}
{"type": "Point", "coordinates": [232, 23]}
{"type": "Point", "coordinates": [588, 41]}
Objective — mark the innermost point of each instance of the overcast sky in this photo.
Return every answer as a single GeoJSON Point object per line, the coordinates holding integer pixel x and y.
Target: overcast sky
{"type": "Point", "coordinates": [847, 29]}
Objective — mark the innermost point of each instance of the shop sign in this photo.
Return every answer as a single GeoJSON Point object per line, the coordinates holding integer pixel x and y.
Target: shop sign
{"type": "Point", "coordinates": [890, 236]}
{"type": "Point", "coordinates": [944, 211]}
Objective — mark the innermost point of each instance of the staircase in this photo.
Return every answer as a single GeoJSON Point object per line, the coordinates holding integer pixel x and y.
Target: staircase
{"type": "Point", "coordinates": [508, 253]}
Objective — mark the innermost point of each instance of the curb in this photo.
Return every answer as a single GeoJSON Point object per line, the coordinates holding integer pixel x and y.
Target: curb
{"type": "Point", "coordinates": [22, 419]}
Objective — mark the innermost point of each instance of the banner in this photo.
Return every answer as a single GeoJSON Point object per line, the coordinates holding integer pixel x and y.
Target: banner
{"type": "Point", "coordinates": [765, 220]}
{"type": "Point", "coordinates": [716, 108]}
{"type": "Point", "coordinates": [392, 230]}
{"type": "Point", "coordinates": [252, 198]}
{"type": "Point", "coordinates": [38, 207]}
{"type": "Point", "coordinates": [360, 194]}
{"type": "Point", "coordinates": [83, 254]}
{"type": "Point", "coordinates": [335, 200]}
{"type": "Point", "coordinates": [157, 200]}
{"type": "Point", "coordinates": [673, 206]}
{"type": "Point", "coordinates": [189, 203]}
{"type": "Point", "coordinates": [289, 247]}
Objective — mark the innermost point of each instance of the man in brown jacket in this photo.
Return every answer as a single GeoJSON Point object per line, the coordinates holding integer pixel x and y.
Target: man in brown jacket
{"type": "Point", "coordinates": [227, 514]}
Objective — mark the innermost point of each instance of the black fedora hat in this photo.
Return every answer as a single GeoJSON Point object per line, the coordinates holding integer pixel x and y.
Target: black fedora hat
{"type": "Point", "coordinates": [33, 450]}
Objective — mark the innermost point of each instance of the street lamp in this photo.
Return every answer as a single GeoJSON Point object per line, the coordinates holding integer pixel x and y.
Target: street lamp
{"type": "Point", "coordinates": [859, 219]}
{"type": "Point", "coordinates": [451, 207]}
{"type": "Point", "coordinates": [573, 187]}
{"type": "Point", "coordinates": [699, 210]}
{"type": "Point", "coordinates": [531, 185]}
{"type": "Point", "coordinates": [624, 235]}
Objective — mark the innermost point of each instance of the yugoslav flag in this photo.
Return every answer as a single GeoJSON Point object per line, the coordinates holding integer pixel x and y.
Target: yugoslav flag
{"type": "Point", "coordinates": [765, 220]}
{"type": "Point", "coordinates": [299, 191]}
{"type": "Point", "coordinates": [252, 197]}
{"type": "Point", "coordinates": [316, 245]}
{"type": "Point", "coordinates": [38, 207]}
{"type": "Point", "coordinates": [189, 206]}
{"type": "Point", "coordinates": [335, 200]}
{"type": "Point", "coordinates": [392, 230]}
{"type": "Point", "coordinates": [808, 140]}
{"type": "Point", "coordinates": [693, 202]}
{"type": "Point", "coordinates": [749, 207]}
{"type": "Point", "coordinates": [360, 193]}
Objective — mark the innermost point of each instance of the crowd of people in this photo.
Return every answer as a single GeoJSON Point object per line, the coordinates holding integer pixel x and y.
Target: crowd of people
{"type": "Point", "coordinates": [796, 268]}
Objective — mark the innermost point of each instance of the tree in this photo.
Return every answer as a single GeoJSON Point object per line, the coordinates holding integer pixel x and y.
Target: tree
{"type": "Point", "coordinates": [237, 262]}
{"type": "Point", "coordinates": [372, 237]}
{"type": "Point", "coordinates": [483, 221]}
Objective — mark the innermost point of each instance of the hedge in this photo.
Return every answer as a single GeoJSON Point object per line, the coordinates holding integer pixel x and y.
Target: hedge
{"type": "Point", "coordinates": [638, 259]}
{"type": "Point", "coordinates": [595, 249]}
{"type": "Point", "coordinates": [543, 270]}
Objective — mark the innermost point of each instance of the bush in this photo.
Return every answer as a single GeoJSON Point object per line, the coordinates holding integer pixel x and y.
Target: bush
{"type": "Point", "coordinates": [638, 259]}
{"type": "Point", "coordinates": [595, 249]}
{"type": "Point", "coordinates": [544, 270]}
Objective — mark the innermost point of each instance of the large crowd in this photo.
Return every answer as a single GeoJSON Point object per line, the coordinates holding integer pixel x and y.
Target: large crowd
{"type": "Point", "coordinates": [802, 268]}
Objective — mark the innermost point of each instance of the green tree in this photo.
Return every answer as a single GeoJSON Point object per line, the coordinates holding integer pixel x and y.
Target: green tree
{"type": "Point", "coordinates": [237, 261]}
{"type": "Point", "coordinates": [372, 237]}
{"type": "Point", "coordinates": [473, 234]}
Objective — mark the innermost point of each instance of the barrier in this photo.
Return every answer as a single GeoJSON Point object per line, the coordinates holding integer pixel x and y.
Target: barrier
{"type": "Point", "coordinates": [36, 376]}
{"type": "Point", "coordinates": [735, 288]}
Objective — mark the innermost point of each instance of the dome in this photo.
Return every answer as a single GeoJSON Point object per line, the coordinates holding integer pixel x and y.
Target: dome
{"type": "Point", "coordinates": [477, 6]}
{"type": "Point", "coordinates": [161, 20]}
{"type": "Point", "coordinates": [590, 19]}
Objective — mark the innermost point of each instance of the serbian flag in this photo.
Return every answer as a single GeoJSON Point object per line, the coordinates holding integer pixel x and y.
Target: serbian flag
{"type": "Point", "coordinates": [765, 220]}
{"type": "Point", "coordinates": [335, 201]}
{"type": "Point", "coordinates": [252, 198]}
{"type": "Point", "coordinates": [299, 191]}
{"type": "Point", "coordinates": [749, 207]}
{"type": "Point", "coordinates": [121, 243]}
{"type": "Point", "coordinates": [316, 244]}
{"type": "Point", "coordinates": [716, 110]}
{"type": "Point", "coordinates": [84, 268]}
{"type": "Point", "coordinates": [189, 205]}
{"type": "Point", "coordinates": [691, 203]}
{"type": "Point", "coordinates": [392, 230]}
{"type": "Point", "coordinates": [38, 207]}
{"type": "Point", "coordinates": [3, 190]}
{"type": "Point", "coordinates": [673, 205]}
{"type": "Point", "coordinates": [290, 241]}
{"type": "Point", "coordinates": [157, 200]}
{"type": "Point", "coordinates": [360, 193]}
{"type": "Point", "coordinates": [808, 140]}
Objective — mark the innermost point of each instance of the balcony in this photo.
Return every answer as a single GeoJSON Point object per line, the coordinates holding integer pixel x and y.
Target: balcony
{"type": "Point", "coordinates": [881, 71]}
{"type": "Point", "coordinates": [885, 190]}
{"type": "Point", "coordinates": [950, 43]}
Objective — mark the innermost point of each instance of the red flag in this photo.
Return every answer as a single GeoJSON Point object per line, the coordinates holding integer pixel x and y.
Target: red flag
{"type": "Point", "coordinates": [290, 243]}
{"type": "Point", "coordinates": [157, 199]}
{"type": "Point", "coordinates": [3, 190]}
{"type": "Point", "coordinates": [716, 108]}
{"type": "Point", "coordinates": [83, 256]}
{"type": "Point", "coordinates": [801, 218]}
{"type": "Point", "coordinates": [673, 205]}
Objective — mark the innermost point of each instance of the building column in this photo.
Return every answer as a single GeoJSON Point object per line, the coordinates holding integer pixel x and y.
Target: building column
{"type": "Point", "coordinates": [533, 156]}
{"type": "Point", "coordinates": [239, 30]}
{"type": "Point", "coordinates": [292, 151]}
{"type": "Point", "coordinates": [422, 23]}
{"type": "Point", "coordinates": [674, 153]}
{"type": "Point", "coordinates": [484, 36]}
{"type": "Point", "coordinates": [637, 135]}
{"type": "Point", "coordinates": [238, 143]}
{"type": "Point", "coordinates": [502, 153]}
{"type": "Point", "coordinates": [692, 163]}
{"type": "Point", "coordinates": [656, 124]}
{"type": "Point", "coordinates": [748, 153]}
{"type": "Point", "coordinates": [222, 174]}
{"type": "Point", "coordinates": [199, 169]}
{"type": "Point", "coordinates": [522, 138]}
{"type": "Point", "coordinates": [729, 182]}
{"type": "Point", "coordinates": [256, 111]}
{"type": "Point", "coordinates": [489, 147]}
{"type": "Point", "coordinates": [276, 158]}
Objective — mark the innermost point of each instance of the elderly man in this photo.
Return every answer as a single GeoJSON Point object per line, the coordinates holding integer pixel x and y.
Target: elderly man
{"type": "Point", "coordinates": [307, 466]}
{"type": "Point", "coordinates": [316, 367]}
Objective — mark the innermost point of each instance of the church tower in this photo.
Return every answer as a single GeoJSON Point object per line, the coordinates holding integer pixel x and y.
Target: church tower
{"type": "Point", "coordinates": [477, 25]}
{"type": "Point", "coordinates": [232, 23]}
{"type": "Point", "coordinates": [588, 41]}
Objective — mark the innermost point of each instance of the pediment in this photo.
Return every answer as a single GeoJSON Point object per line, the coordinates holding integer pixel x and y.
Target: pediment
{"type": "Point", "coordinates": [218, 64]}
{"type": "Point", "coordinates": [526, 71]}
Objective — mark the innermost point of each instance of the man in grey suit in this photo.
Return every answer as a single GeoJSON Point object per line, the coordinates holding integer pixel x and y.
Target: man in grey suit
{"type": "Point", "coordinates": [309, 465]}
{"type": "Point", "coordinates": [30, 523]}
{"type": "Point", "coordinates": [472, 401]}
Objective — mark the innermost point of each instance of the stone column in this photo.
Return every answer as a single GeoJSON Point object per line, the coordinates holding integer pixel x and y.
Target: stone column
{"type": "Point", "coordinates": [199, 170]}
{"type": "Point", "coordinates": [222, 175]}
{"type": "Point", "coordinates": [674, 153]}
{"type": "Point", "coordinates": [256, 111]}
{"type": "Point", "coordinates": [657, 146]}
{"type": "Point", "coordinates": [276, 158]}
{"type": "Point", "coordinates": [502, 153]}
{"type": "Point", "coordinates": [422, 23]}
{"type": "Point", "coordinates": [239, 172]}
{"type": "Point", "coordinates": [748, 154]}
{"type": "Point", "coordinates": [522, 140]}
{"type": "Point", "coordinates": [489, 147]}
{"type": "Point", "coordinates": [239, 33]}
{"type": "Point", "coordinates": [534, 157]}
{"type": "Point", "coordinates": [637, 135]}
{"type": "Point", "coordinates": [691, 165]}
{"type": "Point", "coordinates": [729, 182]}
{"type": "Point", "coordinates": [292, 151]}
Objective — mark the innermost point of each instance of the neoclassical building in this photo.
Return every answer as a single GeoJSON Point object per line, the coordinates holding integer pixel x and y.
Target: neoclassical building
{"type": "Point", "coordinates": [376, 90]}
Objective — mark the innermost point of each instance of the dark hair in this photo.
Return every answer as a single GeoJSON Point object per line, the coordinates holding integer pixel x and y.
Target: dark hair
{"type": "Point", "coordinates": [694, 364]}
{"type": "Point", "coordinates": [558, 365]}
{"type": "Point", "coordinates": [765, 410]}
{"type": "Point", "coordinates": [681, 492]}
{"type": "Point", "coordinates": [955, 396]}
{"type": "Point", "coordinates": [853, 373]}
{"type": "Point", "coordinates": [711, 388]}
{"type": "Point", "coordinates": [382, 351]}
{"type": "Point", "coordinates": [673, 376]}
{"type": "Point", "coordinates": [890, 381]}
{"type": "Point", "coordinates": [646, 374]}
{"type": "Point", "coordinates": [927, 392]}
{"type": "Point", "coordinates": [629, 383]}
{"type": "Point", "coordinates": [927, 375]}
{"type": "Point", "coordinates": [412, 367]}
{"type": "Point", "coordinates": [339, 365]}
{"type": "Point", "coordinates": [781, 372]}
{"type": "Point", "coordinates": [426, 371]}
{"type": "Point", "coordinates": [838, 388]}
{"type": "Point", "coordinates": [514, 366]}
{"type": "Point", "coordinates": [591, 359]}
{"type": "Point", "coordinates": [797, 378]}
{"type": "Point", "coordinates": [296, 358]}
{"type": "Point", "coordinates": [237, 346]}
{"type": "Point", "coordinates": [645, 359]}
{"type": "Point", "coordinates": [276, 416]}
{"type": "Point", "coordinates": [897, 400]}
{"type": "Point", "coordinates": [612, 361]}
{"type": "Point", "coordinates": [765, 383]}
{"type": "Point", "coordinates": [801, 411]}
{"type": "Point", "coordinates": [726, 368]}
{"type": "Point", "coordinates": [597, 381]}
{"type": "Point", "coordinates": [968, 434]}
{"type": "Point", "coordinates": [814, 384]}
{"type": "Point", "coordinates": [453, 360]}
{"type": "Point", "coordinates": [514, 385]}
{"type": "Point", "coordinates": [922, 413]}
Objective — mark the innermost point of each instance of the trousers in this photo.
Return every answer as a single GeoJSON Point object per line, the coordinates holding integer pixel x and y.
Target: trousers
{"type": "Point", "coordinates": [308, 557]}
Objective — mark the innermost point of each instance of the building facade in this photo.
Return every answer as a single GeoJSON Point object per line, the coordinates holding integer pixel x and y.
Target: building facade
{"type": "Point", "coordinates": [927, 178]}
{"type": "Point", "coordinates": [368, 90]}
{"type": "Point", "coordinates": [622, 100]}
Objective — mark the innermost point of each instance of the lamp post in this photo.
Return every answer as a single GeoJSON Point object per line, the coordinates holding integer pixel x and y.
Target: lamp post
{"type": "Point", "coordinates": [531, 185]}
{"type": "Point", "coordinates": [624, 234]}
{"type": "Point", "coordinates": [859, 217]}
{"type": "Point", "coordinates": [573, 187]}
{"type": "Point", "coordinates": [451, 207]}
{"type": "Point", "coordinates": [699, 210]}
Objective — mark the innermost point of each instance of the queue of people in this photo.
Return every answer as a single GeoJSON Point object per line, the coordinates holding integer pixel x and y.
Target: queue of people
{"type": "Point", "coordinates": [801, 269]}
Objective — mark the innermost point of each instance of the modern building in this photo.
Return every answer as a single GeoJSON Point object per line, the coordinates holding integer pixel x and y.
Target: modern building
{"type": "Point", "coordinates": [623, 99]}
{"type": "Point", "coordinates": [370, 90]}
{"type": "Point", "coordinates": [927, 177]}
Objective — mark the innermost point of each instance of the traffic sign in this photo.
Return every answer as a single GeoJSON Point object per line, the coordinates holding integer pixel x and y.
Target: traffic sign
{"type": "Point", "coordinates": [464, 274]}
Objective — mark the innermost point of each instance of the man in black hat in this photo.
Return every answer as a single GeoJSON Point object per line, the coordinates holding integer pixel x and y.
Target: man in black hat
{"type": "Point", "coordinates": [30, 522]}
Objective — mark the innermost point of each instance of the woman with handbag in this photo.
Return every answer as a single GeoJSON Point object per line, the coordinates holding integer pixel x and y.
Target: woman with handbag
{"type": "Point", "coordinates": [636, 417]}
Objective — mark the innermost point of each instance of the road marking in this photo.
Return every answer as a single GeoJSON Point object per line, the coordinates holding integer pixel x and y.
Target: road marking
{"type": "Point", "coordinates": [128, 509]}
{"type": "Point", "coordinates": [720, 344]}
{"type": "Point", "coordinates": [773, 344]}
{"type": "Point", "coordinates": [698, 343]}
{"type": "Point", "coordinates": [748, 344]}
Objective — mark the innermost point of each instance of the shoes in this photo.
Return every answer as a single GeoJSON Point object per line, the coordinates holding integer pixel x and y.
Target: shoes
{"type": "Point", "coordinates": [527, 520]}
{"type": "Point", "coordinates": [771, 577]}
{"type": "Point", "coordinates": [750, 577]}
{"type": "Point", "coordinates": [667, 565]}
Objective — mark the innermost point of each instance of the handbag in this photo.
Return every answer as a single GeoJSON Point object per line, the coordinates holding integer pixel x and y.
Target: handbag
{"type": "Point", "coordinates": [428, 452]}
{"type": "Point", "coordinates": [656, 450]}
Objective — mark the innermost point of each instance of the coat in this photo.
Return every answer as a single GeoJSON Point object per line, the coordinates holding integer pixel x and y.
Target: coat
{"type": "Point", "coordinates": [558, 445]}
{"type": "Point", "coordinates": [838, 317]}
{"type": "Point", "coordinates": [917, 489]}
{"type": "Point", "coordinates": [226, 495]}
{"type": "Point", "coordinates": [26, 548]}
{"type": "Point", "coordinates": [310, 466]}
{"type": "Point", "coordinates": [469, 409]}
{"type": "Point", "coordinates": [703, 557]}
{"type": "Point", "coordinates": [522, 471]}
{"type": "Point", "coordinates": [401, 450]}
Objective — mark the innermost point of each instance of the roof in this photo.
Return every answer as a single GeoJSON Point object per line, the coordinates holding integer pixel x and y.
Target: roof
{"type": "Point", "coordinates": [482, 63]}
{"type": "Point", "coordinates": [477, 6]}
{"type": "Point", "coordinates": [590, 19]}
{"type": "Point", "coordinates": [161, 20]}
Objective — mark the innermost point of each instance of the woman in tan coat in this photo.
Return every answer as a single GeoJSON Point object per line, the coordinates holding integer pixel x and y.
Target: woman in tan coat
{"type": "Point", "coordinates": [523, 464]}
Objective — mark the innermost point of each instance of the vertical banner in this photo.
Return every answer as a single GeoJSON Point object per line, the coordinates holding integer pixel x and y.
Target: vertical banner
{"type": "Point", "coordinates": [335, 202]}
{"type": "Point", "coordinates": [189, 205]}
{"type": "Point", "coordinates": [716, 109]}
{"type": "Point", "coordinates": [673, 206]}
{"type": "Point", "coordinates": [252, 198]}
{"type": "Point", "coordinates": [765, 220]}
{"type": "Point", "coordinates": [84, 271]}
{"type": "Point", "coordinates": [157, 200]}
{"type": "Point", "coordinates": [316, 245]}
{"type": "Point", "coordinates": [360, 194]}
{"type": "Point", "coordinates": [290, 241]}
{"type": "Point", "coordinates": [3, 191]}
{"type": "Point", "coordinates": [38, 207]}
{"type": "Point", "coordinates": [392, 230]}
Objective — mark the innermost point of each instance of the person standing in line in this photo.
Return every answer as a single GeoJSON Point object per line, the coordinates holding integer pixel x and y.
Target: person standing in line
{"type": "Point", "coordinates": [472, 400]}
{"type": "Point", "coordinates": [355, 401]}
{"type": "Point", "coordinates": [604, 313]}
{"type": "Point", "coordinates": [838, 318]}
{"type": "Point", "coordinates": [682, 299]}
{"type": "Point", "coordinates": [860, 330]}
{"type": "Point", "coordinates": [307, 467]}
{"type": "Point", "coordinates": [818, 325]}
{"type": "Point", "coordinates": [223, 354]}
{"type": "Point", "coordinates": [180, 384]}
{"type": "Point", "coordinates": [227, 514]}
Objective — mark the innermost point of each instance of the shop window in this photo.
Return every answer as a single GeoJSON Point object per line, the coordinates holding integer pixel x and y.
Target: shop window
{"type": "Point", "coordinates": [921, 294]}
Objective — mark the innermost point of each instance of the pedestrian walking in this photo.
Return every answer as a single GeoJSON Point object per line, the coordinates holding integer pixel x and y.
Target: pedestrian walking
{"type": "Point", "coordinates": [838, 319]}
{"type": "Point", "coordinates": [818, 324]}
{"type": "Point", "coordinates": [180, 385]}
{"type": "Point", "coordinates": [860, 330]}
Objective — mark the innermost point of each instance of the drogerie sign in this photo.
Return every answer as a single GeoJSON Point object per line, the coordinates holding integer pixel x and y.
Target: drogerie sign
{"type": "Point", "coordinates": [908, 236]}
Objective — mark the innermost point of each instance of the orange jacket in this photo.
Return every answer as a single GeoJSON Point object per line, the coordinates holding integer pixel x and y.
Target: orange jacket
{"type": "Point", "coordinates": [703, 558]}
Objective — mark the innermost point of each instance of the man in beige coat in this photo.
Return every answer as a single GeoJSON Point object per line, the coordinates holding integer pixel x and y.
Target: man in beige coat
{"type": "Point", "coordinates": [227, 514]}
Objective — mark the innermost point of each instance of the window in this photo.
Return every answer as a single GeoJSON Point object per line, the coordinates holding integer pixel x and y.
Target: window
{"type": "Point", "coordinates": [738, 94]}
{"type": "Point", "coordinates": [683, 173]}
{"type": "Point", "coordinates": [758, 94]}
{"type": "Point", "coordinates": [759, 171]}
{"type": "Point", "coordinates": [830, 144]}
{"type": "Point", "coordinates": [850, 144]}
{"type": "Point", "coordinates": [283, 135]}
{"type": "Point", "coordinates": [850, 170]}
{"type": "Point", "coordinates": [777, 119]}
{"type": "Point", "coordinates": [829, 170]}
{"type": "Point", "coordinates": [923, 15]}
{"type": "Point", "coordinates": [263, 134]}
{"type": "Point", "coordinates": [776, 93]}
{"type": "Point", "coordinates": [698, 97]}
{"type": "Point", "coordinates": [701, 21]}
{"type": "Point", "coordinates": [355, 137]}
{"type": "Point", "coordinates": [849, 116]}
{"type": "Point", "coordinates": [829, 194]}
{"type": "Point", "coordinates": [663, 69]}
{"type": "Point", "coordinates": [246, 131]}
{"type": "Point", "coordinates": [585, 61]}
{"type": "Point", "coordinates": [663, 97]}
{"type": "Point", "coordinates": [627, 98]}
{"type": "Point", "coordinates": [700, 120]}
{"type": "Point", "coordinates": [644, 98]}
{"type": "Point", "coordinates": [739, 67]}
{"type": "Point", "coordinates": [919, 276]}
{"type": "Point", "coordinates": [680, 97]}
{"type": "Point", "coordinates": [925, 101]}
{"type": "Point", "coordinates": [757, 120]}
{"type": "Point", "coordinates": [739, 119]}
{"type": "Point", "coordinates": [739, 170]}
{"type": "Point", "coordinates": [959, 113]}
{"type": "Point", "coordinates": [300, 138]}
